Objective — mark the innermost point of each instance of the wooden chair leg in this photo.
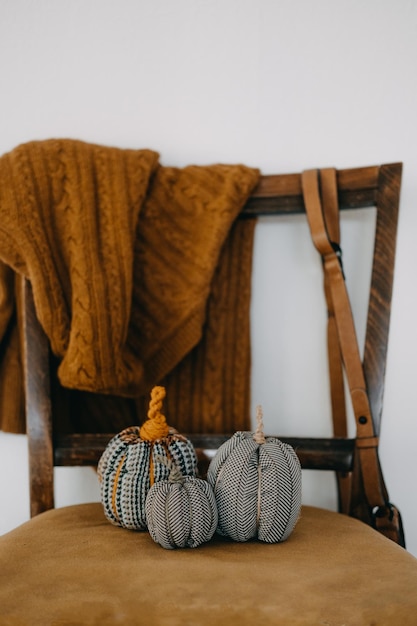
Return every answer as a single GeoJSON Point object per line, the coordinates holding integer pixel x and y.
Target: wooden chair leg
{"type": "Point", "coordinates": [38, 406]}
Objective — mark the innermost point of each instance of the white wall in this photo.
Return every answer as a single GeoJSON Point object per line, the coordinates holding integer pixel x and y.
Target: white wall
{"type": "Point", "coordinates": [278, 84]}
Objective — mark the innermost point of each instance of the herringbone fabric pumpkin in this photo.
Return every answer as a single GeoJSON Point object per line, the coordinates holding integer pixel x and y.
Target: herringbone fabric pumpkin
{"type": "Point", "coordinates": [181, 511]}
{"type": "Point", "coordinates": [128, 468]}
{"type": "Point", "coordinates": [257, 488]}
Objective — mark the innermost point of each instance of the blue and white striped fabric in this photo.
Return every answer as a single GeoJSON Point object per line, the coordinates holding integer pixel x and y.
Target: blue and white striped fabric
{"type": "Point", "coordinates": [257, 487]}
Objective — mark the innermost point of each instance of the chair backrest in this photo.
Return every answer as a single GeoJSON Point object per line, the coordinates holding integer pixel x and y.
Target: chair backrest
{"type": "Point", "coordinates": [376, 186]}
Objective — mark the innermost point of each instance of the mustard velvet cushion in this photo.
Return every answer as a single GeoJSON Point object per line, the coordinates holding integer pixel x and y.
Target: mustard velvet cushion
{"type": "Point", "coordinates": [70, 566]}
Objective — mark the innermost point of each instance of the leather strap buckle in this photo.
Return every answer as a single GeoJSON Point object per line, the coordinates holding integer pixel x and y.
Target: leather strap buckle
{"type": "Point", "coordinates": [386, 511]}
{"type": "Point", "coordinates": [387, 520]}
{"type": "Point", "coordinates": [338, 251]}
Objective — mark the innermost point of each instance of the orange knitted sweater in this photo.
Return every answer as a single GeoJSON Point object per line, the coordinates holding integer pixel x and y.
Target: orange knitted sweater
{"type": "Point", "coordinates": [120, 251]}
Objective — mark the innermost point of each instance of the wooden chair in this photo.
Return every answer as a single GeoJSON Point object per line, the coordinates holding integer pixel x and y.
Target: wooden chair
{"type": "Point", "coordinates": [70, 566]}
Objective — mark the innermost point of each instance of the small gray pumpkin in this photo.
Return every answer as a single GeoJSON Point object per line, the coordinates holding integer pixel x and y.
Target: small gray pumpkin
{"type": "Point", "coordinates": [181, 512]}
{"type": "Point", "coordinates": [257, 485]}
{"type": "Point", "coordinates": [127, 467]}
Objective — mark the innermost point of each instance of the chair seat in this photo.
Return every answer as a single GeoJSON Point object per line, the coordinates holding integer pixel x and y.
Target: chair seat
{"type": "Point", "coordinates": [79, 569]}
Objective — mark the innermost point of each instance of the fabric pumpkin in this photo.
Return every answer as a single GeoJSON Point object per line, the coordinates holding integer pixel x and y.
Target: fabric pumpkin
{"type": "Point", "coordinates": [257, 485]}
{"type": "Point", "coordinates": [181, 512]}
{"type": "Point", "coordinates": [127, 467]}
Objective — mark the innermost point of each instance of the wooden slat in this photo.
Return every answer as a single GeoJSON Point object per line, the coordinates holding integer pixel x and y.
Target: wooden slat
{"type": "Point", "coordinates": [314, 453]}
{"type": "Point", "coordinates": [38, 407]}
{"type": "Point", "coordinates": [282, 194]}
{"type": "Point", "coordinates": [353, 179]}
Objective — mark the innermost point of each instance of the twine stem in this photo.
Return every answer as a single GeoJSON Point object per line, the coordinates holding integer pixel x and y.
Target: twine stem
{"type": "Point", "coordinates": [258, 435]}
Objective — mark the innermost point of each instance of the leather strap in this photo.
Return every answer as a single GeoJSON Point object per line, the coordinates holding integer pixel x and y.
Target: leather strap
{"type": "Point", "coordinates": [331, 220]}
{"type": "Point", "coordinates": [340, 300]}
{"type": "Point", "coordinates": [325, 234]}
{"type": "Point", "coordinates": [330, 209]}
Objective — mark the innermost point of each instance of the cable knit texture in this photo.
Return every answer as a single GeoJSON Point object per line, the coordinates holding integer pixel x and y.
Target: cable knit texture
{"type": "Point", "coordinates": [120, 251]}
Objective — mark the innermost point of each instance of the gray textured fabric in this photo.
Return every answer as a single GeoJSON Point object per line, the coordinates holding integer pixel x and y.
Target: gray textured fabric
{"type": "Point", "coordinates": [125, 470]}
{"type": "Point", "coordinates": [257, 488]}
{"type": "Point", "coordinates": [181, 515]}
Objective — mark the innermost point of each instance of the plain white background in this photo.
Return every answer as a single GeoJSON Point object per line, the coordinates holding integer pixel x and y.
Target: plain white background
{"type": "Point", "coordinates": [282, 85]}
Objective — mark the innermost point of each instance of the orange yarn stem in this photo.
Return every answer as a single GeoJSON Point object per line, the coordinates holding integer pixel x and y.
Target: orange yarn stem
{"type": "Point", "coordinates": [155, 426]}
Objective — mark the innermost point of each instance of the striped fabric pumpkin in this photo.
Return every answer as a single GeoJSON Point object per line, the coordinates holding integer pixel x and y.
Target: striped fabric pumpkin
{"type": "Point", "coordinates": [127, 467]}
{"type": "Point", "coordinates": [181, 512]}
{"type": "Point", "coordinates": [257, 485]}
